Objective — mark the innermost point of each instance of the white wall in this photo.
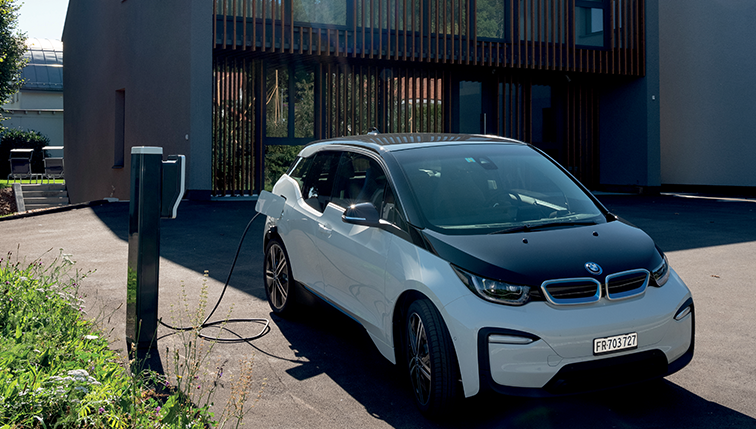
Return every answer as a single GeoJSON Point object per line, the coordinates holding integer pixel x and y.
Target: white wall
{"type": "Point", "coordinates": [708, 92]}
{"type": "Point", "coordinates": [48, 123]}
{"type": "Point", "coordinates": [39, 111]}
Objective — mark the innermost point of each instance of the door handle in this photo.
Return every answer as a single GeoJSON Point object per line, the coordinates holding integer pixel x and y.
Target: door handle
{"type": "Point", "coordinates": [324, 230]}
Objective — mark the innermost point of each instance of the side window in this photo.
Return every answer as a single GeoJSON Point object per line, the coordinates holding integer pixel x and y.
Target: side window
{"type": "Point", "coordinates": [317, 180]}
{"type": "Point", "coordinates": [299, 169]}
{"type": "Point", "coordinates": [390, 210]}
{"type": "Point", "coordinates": [359, 179]}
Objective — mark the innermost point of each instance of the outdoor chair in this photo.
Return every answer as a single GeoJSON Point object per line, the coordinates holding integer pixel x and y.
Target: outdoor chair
{"type": "Point", "coordinates": [53, 158]}
{"type": "Point", "coordinates": [20, 165]}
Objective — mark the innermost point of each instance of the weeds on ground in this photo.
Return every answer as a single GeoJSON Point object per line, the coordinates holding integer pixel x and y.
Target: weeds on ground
{"type": "Point", "coordinates": [190, 370]}
{"type": "Point", "coordinates": [56, 369]}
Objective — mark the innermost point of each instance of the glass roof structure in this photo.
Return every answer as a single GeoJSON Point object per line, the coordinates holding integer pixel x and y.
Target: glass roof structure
{"type": "Point", "coordinates": [44, 71]}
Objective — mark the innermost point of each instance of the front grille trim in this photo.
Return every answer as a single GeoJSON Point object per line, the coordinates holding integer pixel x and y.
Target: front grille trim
{"type": "Point", "coordinates": [627, 289]}
{"type": "Point", "coordinates": [590, 293]}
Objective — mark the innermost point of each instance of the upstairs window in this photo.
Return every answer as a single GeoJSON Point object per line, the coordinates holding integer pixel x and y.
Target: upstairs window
{"type": "Point", "coordinates": [590, 23]}
{"type": "Point", "coordinates": [491, 19]}
{"type": "Point", "coordinates": [324, 12]}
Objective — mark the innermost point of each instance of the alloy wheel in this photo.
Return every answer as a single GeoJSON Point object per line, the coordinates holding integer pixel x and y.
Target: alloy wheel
{"type": "Point", "coordinates": [277, 277]}
{"type": "Point", "coordinates": [419, 358]}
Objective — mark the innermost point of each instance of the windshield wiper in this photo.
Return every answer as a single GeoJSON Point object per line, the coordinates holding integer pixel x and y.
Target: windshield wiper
{"type": "Point", "coordinates": [528, 227]}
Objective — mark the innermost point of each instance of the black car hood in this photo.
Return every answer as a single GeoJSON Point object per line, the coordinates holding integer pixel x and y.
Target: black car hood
{"type": "Point", "coordinates": [529, 258]}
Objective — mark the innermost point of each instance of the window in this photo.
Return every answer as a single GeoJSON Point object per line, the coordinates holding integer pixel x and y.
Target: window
{"type": "Point", "coordinates": [328, 12]}
{"type": "Point", "coordinates": [491, 19]}
{"type": "Point", "coordinates": [119, 142]}
{"type": "Point", "coordinates": [589, 23]}
{"type": "Point", "coordinates": [277, 102]}
{"type": "Point", "coordinates": [317, 180]}
{"type": "Point", "coordinates": [390, 210]}
{"type": "Point", "coordinates": [359, 179]}
{"type": "Point", "coordinates": [479, 189]}
{"type": "Point", "coordinates": [289, 94]}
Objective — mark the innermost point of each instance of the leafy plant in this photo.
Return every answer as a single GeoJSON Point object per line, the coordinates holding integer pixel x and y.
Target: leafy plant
{"type": "Point", "coordinates": [56, 369]}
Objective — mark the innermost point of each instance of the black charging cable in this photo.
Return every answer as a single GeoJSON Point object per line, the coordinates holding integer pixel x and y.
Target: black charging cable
{"type": "Point", "coordinates": [206, 323]}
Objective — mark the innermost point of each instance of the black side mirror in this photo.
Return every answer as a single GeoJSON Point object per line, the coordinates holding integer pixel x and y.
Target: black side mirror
{"type": "Point", "coordinates": [364, 214]}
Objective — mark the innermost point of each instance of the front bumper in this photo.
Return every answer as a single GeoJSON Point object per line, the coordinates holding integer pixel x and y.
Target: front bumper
{"type": "Point", "coordinates": [558, 359]}
{"type": "Point", "coordinates": [540, 372]}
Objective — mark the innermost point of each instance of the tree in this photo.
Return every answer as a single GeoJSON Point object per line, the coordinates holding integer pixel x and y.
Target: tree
{"type": "Point", "coordinates": [12, 49]}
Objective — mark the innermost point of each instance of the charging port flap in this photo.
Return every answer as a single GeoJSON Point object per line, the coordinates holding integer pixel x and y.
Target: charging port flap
{"type": "Point", "coordinates": [270, 204]}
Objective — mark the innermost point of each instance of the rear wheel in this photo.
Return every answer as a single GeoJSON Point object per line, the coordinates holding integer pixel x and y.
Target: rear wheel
{"type": "Point", "coordinates": [279, 282]}
{"type": "Point", "coordinates": [431, 362]}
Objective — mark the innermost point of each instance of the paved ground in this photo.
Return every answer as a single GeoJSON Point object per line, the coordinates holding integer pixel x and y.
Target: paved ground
{"type": "Point", "coordinates": [321, 370]}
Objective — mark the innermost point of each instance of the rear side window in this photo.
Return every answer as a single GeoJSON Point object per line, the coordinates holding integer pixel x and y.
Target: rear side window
{"type": "Point", "coordinates": [316, 178]}
{"type": "Point", "coordinates": [299, 169]}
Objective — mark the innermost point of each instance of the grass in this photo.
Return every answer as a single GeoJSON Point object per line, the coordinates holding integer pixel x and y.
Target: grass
{"type": "Point", "coordinates": [9, 183]}
{"type": "Point", "coordinates": [56, 369]}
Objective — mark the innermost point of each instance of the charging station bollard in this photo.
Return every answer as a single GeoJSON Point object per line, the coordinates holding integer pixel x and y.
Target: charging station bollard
{"type": "Point", "coordinates": [156, 190]}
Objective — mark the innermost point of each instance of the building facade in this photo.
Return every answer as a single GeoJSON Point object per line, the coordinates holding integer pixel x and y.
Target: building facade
{"type": "Point", "coordinates": [38, 105]}
{"type": "Point", "coordinates": [238, 85]}
{"type": "Point", "coordinates": [708, 95]}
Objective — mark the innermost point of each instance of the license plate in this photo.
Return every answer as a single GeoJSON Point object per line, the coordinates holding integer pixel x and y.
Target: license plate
{"type": "Point", "coordinates": [616, 343]}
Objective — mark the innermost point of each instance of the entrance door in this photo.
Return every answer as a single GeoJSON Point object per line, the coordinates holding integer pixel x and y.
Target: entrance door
{"type": "Point", "coordinates": [474, 110]}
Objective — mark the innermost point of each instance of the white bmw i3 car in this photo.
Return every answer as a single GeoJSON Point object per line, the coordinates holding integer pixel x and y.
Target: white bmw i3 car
{"type": "Point", "coordinates": [476, 262]}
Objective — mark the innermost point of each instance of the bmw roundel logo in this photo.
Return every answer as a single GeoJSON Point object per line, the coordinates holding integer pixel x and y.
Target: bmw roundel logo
{"type": "Point", "coordinates": [593, 268]}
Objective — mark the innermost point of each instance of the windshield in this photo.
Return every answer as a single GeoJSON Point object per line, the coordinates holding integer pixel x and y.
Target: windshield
{"type": "Point", "coordinates": [488, 188]}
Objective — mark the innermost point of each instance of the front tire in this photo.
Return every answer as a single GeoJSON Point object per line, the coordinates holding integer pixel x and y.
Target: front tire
{"type": "Point", "coordinates": [431, 361]}
{"type": "Point", "coordinates": [279, 282]}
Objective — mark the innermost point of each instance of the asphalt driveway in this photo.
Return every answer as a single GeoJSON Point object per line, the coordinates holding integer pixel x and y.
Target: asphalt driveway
{"type": "Point", "coordinates": [321, 369]}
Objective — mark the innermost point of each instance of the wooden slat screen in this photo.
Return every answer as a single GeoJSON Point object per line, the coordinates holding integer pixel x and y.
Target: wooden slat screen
{"type": "Point", "coordinates": [233, 127]}
{"type": "Point", "coordinates": [578, 136]}
{"type": "Point", "coordinates": [581, 133]}
{"type": "Point", "coordinates": [534, 34]}
{"type": "Point", "coordinates": [393, 100]}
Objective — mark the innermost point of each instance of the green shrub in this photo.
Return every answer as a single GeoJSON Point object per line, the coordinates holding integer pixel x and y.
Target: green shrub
{"type": "Point", "coordinates": [278, 159]}
{"type": "Point", "coordinates": [56, 369]}
{"type": "Point", "coordinates": [19, 139]}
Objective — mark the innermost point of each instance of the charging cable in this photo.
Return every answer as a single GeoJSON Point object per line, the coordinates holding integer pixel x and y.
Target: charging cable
{"type": "Point", "coordinates": [206, 323]}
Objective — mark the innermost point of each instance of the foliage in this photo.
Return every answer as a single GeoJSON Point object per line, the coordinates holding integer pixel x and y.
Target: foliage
{"type": "Point", "coordinates": [188, 370]}
{"type": "Point", "coordinates": [320, 11]}
{"type": "Point", "coordinates": [278, 159]}
{"type": "Point", "coordinates": [12, 48]}
{"type": "Point", "coordinates": [19, 139]}
{"type": "Point", "coordinates": [490, 20]}
{"type": "Point", "coordinates": [56, 369]}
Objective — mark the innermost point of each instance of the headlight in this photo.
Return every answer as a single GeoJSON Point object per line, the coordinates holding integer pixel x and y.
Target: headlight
{"type": "Point", "coordinates": [661, 274]}
{"type": "Point", "coordinates": [493, 290]}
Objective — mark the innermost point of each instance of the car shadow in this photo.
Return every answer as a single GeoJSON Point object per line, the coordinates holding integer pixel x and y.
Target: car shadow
{"type": "Point", "coordinates": [335, 345]}
{"type": "Point", "coordinates": [205, 236]}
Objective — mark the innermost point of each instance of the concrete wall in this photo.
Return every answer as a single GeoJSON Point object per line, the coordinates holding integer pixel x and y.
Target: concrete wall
{"type": "Point", "coordinates": [708, 97]}
{"type": "Point", "coordinates": [48, 123]}
{"type": "Point", "coordinates": [160, 55]}
{"type": "Point", "coordinates": [40, 111]}
{"type": "Point", "coordinates": [30, 99]}
{"type": "Point", "coordinates": [629, 123]}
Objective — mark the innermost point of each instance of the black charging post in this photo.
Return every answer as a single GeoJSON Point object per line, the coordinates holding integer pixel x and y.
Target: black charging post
{"type": "Point", "coordinates": [156, 190]}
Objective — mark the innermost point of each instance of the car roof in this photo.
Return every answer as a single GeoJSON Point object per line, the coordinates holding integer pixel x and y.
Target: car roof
{"type": "Point", "coordinates": [393, 142]}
